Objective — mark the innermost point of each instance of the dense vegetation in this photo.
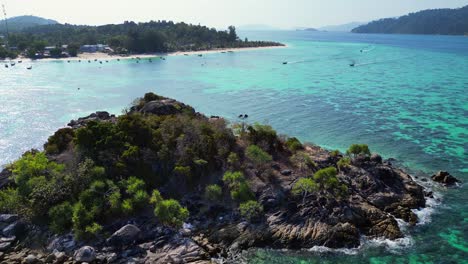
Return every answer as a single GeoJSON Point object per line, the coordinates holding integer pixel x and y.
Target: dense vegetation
{"type": "Point", "coordinates": [147, 164]}
{"type": "Point", "coordinates": [436, 22]}
{"type": "Point", "coordinates": [131, 37]}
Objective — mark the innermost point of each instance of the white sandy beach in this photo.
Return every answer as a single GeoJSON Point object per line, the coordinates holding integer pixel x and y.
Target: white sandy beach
{"type": "Point", "coordinates": [104, 56]}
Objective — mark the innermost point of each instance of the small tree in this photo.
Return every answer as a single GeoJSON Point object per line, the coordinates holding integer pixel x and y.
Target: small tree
{"type": "Point", "coordinates": [358, 149]}
{"type": "Point", "coordinates": [303, 187]}
{"type": "Point", "coordinates": [326, 178]}
{"type": "Point", "coordinates": [251, 210]}
{"type": "Point", "coordinates": [213, 193]}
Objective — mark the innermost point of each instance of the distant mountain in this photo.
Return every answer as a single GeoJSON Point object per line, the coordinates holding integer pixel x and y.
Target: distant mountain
{"type": "Point", "coordinates": [342, 28]}
{"type": "Point", "coordinates": [259, 27]}
{"type": "Point", "coordinates": [21, 22]}
{"type": "Point", "coordinates": [434, 22]}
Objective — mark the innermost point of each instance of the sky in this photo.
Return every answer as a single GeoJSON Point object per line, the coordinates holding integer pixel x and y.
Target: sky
{"type": "Point", "coordinates": [284, 14]}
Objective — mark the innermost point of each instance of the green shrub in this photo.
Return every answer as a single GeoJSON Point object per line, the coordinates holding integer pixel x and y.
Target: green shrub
{"type": "Point", "coordinates": [238, 186]}
{"type": "Point", "coordinates": [127, 206]}
{"type": "Point", "coordinates": [242, 192]}
{"type": "Point", "coordinates": [263, 135]}
{"type": "Point", "coordinates": [335, 153]}
{"type": "Point", "coordinates": [213, 193]}
{"type": "Point", "coordinates": [233, 178]}
{"type": "Point", "coordinates": [251, 210]}
{"type": "Point", "coordinates": [257, 155]}
{"type": "Point", "coordinates": [151, 97]}
{"type": "Point", "coordinates": [58, 142]}
{"type": "Point", "coordinates": [294, 144]}
{"type": "Point", "coordinates": [182, 171]}
{"type": "Point", "coordinates": [303, 187]}
{"type": "Point", "coordinates": [343, 163]}
{"type": "Point", "coordinates": [326, 178]}
{"type": "Point", "coordinates": [81, 219]}
{"type": "Point", "coordinates": [171, 213]}
{"type": "Point", "coordinates": [233, 160]}
{"type": "Point", "coordinates": [303, 161]}
{"type": "Point", "coordinates": [93, 229]}
{"type": "Point", "coordinates": [10, 201]}
{"type": "Point", "coordinates": [155, 197]}
{"type": "Point", "coordinates": [358, 149]}
{"type": "Point", "coordinates": [115, 201]}
{"type": "Point", "coordinates": [61, 217]}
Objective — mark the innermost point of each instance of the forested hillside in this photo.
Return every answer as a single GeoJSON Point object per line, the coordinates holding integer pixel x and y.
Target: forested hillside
{"type": "Point", "coordinates": [434, 22]}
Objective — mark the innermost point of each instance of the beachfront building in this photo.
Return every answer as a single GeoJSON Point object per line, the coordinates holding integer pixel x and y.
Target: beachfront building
{"type": "Point", "coordinates": [95, 48]}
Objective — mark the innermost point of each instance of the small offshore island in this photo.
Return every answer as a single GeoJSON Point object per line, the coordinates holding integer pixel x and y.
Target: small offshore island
{"type": "Point", "coordinates": [163, 183]}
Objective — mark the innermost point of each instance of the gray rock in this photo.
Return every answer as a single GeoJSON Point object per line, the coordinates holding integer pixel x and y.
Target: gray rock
{"type": "Point", "coordinates": [125, 235]}
{"type": "Point", "coordinates": [164, 107]}
{"type": "Point", "coordinates": [31, 259]}
{"type": "Point", "coordinates": [85, 254]}
{"type": "Point", "coordinates": [62, 243]}
{"type": "Point", "coordinates": [14, 229]}
{"type": "Point", "coordinates": [376, 158]}
{"type": "Point", "coordinates": [60, 257]}
{"type": "Point", "coordinates": [5, 246]}
{"type": "Point", "coordinates": [444, 178]}
{"type": "Point", "coordinates": [8, 218]}
{"type": "Point", "coordinates": [286, 172]}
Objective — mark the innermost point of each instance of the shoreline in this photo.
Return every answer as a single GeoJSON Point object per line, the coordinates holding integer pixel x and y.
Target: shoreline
{"type": "Point", "coordinates": [105, 56]}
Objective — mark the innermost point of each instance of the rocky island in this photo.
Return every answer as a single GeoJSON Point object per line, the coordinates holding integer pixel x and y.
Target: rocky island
{"type": "Point", "coordinates": [166, 184]}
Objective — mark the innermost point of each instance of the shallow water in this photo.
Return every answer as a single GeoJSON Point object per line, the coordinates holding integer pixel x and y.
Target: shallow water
{"type": "Point", "coordinates": [407, 97]}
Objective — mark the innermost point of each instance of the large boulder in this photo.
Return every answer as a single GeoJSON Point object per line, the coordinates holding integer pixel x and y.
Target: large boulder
{"type": "Point", "coordinates": [15, 229]}
{"type": "Point", "coordinates": [62, 243]}
{"type": "Point", "coordinates": [125, 235]}
{"type": "Point", "coordinates": [165, 107]}
{"type": "Point", "coordinates": [445, 178]}
{"type": "Point", "coordinates": [85, 254]}
{"type": "Point", "coordinates": [8, 218]}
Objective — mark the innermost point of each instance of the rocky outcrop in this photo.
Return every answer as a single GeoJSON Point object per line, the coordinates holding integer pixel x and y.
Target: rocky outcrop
{"type": "Point", "coordinates": [163, 106]}
{"type": "Point", "coordinates": [376, 194]}
{"type": "Point", "coordinates": [98, 116]}
{"type": "Point", "coordinates": [444, 178]}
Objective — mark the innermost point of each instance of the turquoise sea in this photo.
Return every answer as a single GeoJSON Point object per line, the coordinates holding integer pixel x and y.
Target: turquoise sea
{"type": "Point", "coordinates": [406, 96]}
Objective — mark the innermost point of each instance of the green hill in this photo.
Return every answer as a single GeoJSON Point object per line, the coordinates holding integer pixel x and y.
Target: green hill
{"type": "Point", "coordinates": [21, 22]}
{"type": "Point", "coordinates": [430, 22]}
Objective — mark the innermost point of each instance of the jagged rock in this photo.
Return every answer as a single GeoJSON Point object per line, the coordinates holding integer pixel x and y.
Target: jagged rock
{"type": "Point", "coordinates": [164, 107]}
{"type": "Point", "coordinates": [98, 116]}
{"type": "Point", "coordinates": [85, 254]}
{"type": "Point", "coordinates": [62, 243]}
{"type": "Point", "coordinates": [15, 229]}
{"type": "Point", "coordinates": [60, 257]}
{"type": "Point", "coordinates": [124, 236]}
{"type": "Point", "coordinates": [286, 172]}
{"type": "Point", "coordinates": [376, 158]}
{"type": "Point", "coordinates": [444, 178]}
{"type": "Point", "coordinates": [179, 251]}
{"type": "Point", "coordinates": [31, 259]}
{"type": "Point", "coordinates": [8, 218]}
{"type": "Point", "coordinates": [4, 246]}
